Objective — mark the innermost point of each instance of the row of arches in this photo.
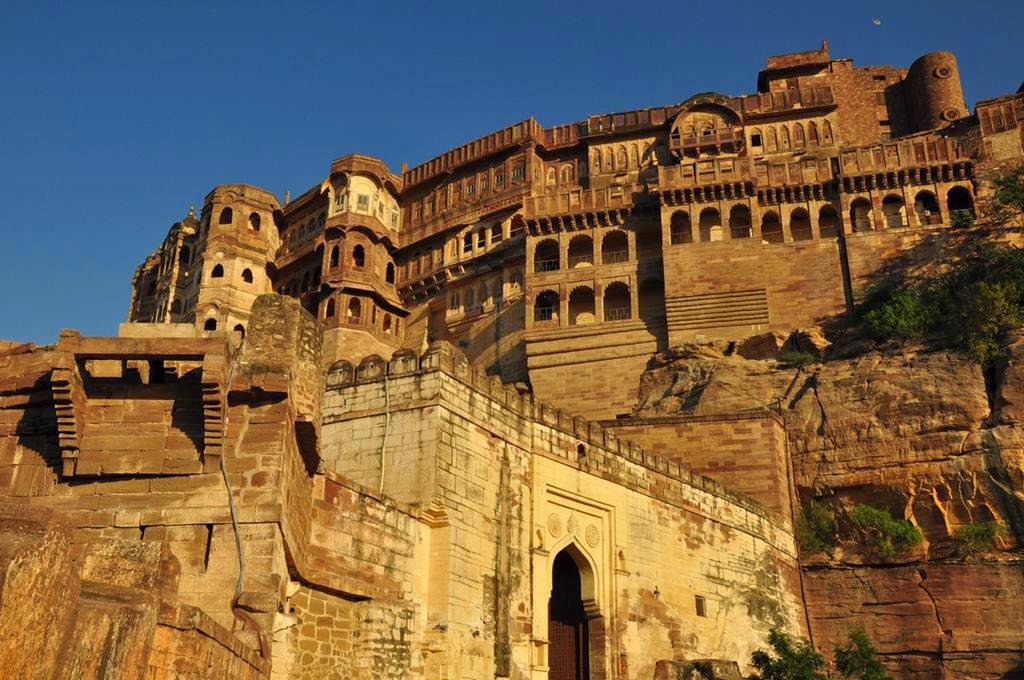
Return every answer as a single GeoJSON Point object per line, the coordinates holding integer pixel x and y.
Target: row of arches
{"type": "Point", "coordinates": [783, 139]}
{"type": "Point", "coordinates": [619, 159]}
{"type": "Point", "coordinates": [893, 215]}
{"type": "Point", "coordinates": [547, 255]}
{"type": "Point", "coordinates": [297, 286]}
{"type": "Point", "coordinates": [616, 304]}
{"type": "Point", "coordinates": [218, 273]}
{"type": "Point", "coordinates": [926, 209]}
{"type": "Point", "coordinates": [710, 228]}
{"type": "Point", "coordinates": [357, 260]}
{"type": "Point", "coordinates": [227, 216]}
{"type": "Point", "coordinates": [354, 315]}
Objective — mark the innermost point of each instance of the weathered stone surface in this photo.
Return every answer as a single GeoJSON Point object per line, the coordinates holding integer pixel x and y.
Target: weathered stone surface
{"type": "Point", "coordinates": [807, 341]}
{"type": "Point", "coordinates": [38, 589]}
{"type": "Point", "coordinates": [764, 346]}
{"type": "Point", "coordinates": [913, 433]}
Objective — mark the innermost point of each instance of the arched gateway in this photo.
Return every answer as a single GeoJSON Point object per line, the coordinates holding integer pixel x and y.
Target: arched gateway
{"type": "Point", "coordinates": [568, 634]}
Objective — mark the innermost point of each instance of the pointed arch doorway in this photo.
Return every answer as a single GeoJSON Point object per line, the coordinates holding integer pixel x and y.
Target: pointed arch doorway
{"type": "Point", "coordinates": [568, 633]}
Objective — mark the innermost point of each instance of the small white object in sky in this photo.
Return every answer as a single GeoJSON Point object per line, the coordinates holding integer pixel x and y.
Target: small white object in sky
{"type": "Point", "coordinates": [876, 22]}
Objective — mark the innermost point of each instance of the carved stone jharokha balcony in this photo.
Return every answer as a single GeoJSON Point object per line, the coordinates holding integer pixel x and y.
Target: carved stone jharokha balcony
{"type": "Point", "coordinates": [729, 140]}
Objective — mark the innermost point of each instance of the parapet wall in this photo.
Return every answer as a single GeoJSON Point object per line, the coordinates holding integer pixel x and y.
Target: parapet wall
{"type": "Point", "coordinates": [549, 431]}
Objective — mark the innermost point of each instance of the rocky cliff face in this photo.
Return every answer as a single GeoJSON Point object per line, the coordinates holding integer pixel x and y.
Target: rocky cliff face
{"type": "Point", "coordinates": [921, 434]}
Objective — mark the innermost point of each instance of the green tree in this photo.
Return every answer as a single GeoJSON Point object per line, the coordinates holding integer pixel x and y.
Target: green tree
{"type": "Point", "coordinates": [907, 314]}
{"type": "Point", "coordinates": [986, 313]}
{"type": "Point", "coordinates": [1008, 198]}
{"type": "Point", "coordinates": [978, 536]}
{"type": "Point", "coordinates": [889, 536]}
{"type": "Point", "coordinates": [816, 528]}
{"type": "Point", "coordinates": [789, 659]}
{"type": "Point", "coordinates": [856, 658]}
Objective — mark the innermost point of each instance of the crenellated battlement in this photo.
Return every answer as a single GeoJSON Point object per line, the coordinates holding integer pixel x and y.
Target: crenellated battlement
{"type": "Point", "coordinates": [572, 440]}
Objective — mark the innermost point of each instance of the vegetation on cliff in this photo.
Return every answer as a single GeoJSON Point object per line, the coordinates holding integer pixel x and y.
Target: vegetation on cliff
{"type": "Point", "coordinates": [970, 305]}
{"type": "Point", "coordinates": [818, 530]}
{"type": "Point", "coordinates": [978, 536]}
{"type": "Point", "coordinates": [796, 659]}
{"type": "Point", "coordinates": [887, 535]}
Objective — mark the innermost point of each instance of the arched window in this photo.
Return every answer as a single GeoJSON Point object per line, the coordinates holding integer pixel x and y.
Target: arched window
{"type": "Point", "coordinates": [785, 137]}
{"type": "Point", "coordinates": [470, 300]}
{"type": "Point", "coordinates": [483, 294]}
{"type": "Point", "coordinates": [210, 325]}
{"type": "Point", "coordinates": [828, 222]}
{"type": "Point", "coordinates": [247, 275]}
{"type": "Point", "coordinates": [739, 222]}
{"type": "Point", "coordinates": [389, 273]}
{"type": "Point", "coordinates": [860, 215]}
{"type": "Point", "coordinates": [926, 207]}
{"type": "Point", "coordinates": [772, 142]}
{"type": "Point", "coordinates": [597, 162]}
{"type": "Point", "coordinates": [756, 138]}
{"type": "Point", "coordinates": [798, 136]}
{"type": "Point", "coordinates": [826, 132]}
{"type": "Point", "coordinates": [387, 324]}
{"type": "Point", "coordinates": [581, 251]}
{"type": "Point", "coordinates": [620, 159]}
{"type": "Point", "coordinates": [710, 225]}
{"type": "Point", "coordinates": [608, 167]}
{"type": "Point", "coordinates": [551, 176]}
{"type": "Point", "coordinates": [800, 225]}
{"type": "Point", "coordinates": [240, 329]}
{"type": "Point", "coordinates": [617, 303]}
{"type": "Point", "coordinates": [329, 309]}
{"type": "Point", "coordinates": [226, 216]}
{"type": "Point", "coordinates": [545, 256]}
{"type": "Point", "coordinates": [892, 211]}
{"type": "Point", "coordinates": [581, 306]}
{"type": "Point", "coordinates": [960, 204]}
{"type": "Point", "coordinates": [353, 313]}
{"type": "Point", "coordinates": [545, 308]}
{"type": "Point", "coordinates": [812, 133]}
{"type": "Point", "coordinates": [615, 247]}
{"type": "Point", "coordinates": [184, 256]}
{"type": "Point", "coordinates": [358, 257]}
{"type": "Point", "coordinates": [254, 221]}
{"type": "Point", "coordinates": [566, 174]}
{"type": "Point", "coordinates": [680, 229]}
{"type": "Point", "coordinates": [771, 228]}
{"type": "Point", "coordinates": [217, 272]}
{"type": "Point", "coordinates": [453, 302]}
{"type": "Point", "coordinates": [335, 256]}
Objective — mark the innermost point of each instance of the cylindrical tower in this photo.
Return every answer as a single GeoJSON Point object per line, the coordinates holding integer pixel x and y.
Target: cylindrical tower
{"type": "Point", "coordinates": [935, 97]}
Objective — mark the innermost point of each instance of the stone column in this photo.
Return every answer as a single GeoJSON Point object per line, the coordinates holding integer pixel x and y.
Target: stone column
{"type": "Point", "coordinates": [876, 212]}
{"type": "Point", "coordinates": [598, 302]}
{"type": "Point", "coordinates": [563, 305]}
{"type": "Point", "coordinates": [634, 298]}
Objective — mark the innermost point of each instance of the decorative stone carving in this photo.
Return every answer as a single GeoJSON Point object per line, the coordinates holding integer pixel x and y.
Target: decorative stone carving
{"type": "Point", "coordinates": [555, 525]}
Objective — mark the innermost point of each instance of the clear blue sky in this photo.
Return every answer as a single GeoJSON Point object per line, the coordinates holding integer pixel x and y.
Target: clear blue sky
{"type": "Point", "coordinates": [116, 117]}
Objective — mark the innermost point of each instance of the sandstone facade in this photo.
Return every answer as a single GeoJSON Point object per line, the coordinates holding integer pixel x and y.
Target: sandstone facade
{"type": "Point", "coordinates": [518, 412]}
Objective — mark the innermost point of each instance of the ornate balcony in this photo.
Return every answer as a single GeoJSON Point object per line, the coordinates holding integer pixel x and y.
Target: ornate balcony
{"type": "Point", "coordinates": [729, 140]}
